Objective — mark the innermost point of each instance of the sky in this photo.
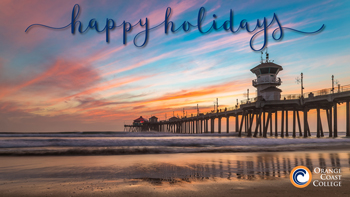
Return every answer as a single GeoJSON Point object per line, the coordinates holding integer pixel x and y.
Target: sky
{"type": "Point", "coordinates": [52, 80]}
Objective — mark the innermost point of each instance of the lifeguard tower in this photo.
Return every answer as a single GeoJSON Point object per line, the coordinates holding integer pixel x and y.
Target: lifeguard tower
{"type": "Point", "coordinates": [267, 80]}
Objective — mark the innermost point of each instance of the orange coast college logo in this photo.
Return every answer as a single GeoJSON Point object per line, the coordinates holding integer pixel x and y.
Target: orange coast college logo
{"type": "Point", "coordinates": [300, 176]}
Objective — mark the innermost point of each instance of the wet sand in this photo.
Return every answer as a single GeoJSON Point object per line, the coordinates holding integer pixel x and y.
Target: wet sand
{"type": "Point", "coordinates": [206, 174]}
{"type": "Point", "coordinates": [242, 188]}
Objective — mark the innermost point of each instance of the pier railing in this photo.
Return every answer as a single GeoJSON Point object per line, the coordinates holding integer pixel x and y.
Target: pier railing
{"type": "Point", "coordinates": [268, 80]}
{"type": "Point", "coordinates": [250, 100]}
{"type": "Point", "coordinates": [321, 92]}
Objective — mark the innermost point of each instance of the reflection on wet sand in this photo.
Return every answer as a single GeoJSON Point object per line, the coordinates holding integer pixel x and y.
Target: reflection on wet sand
{"type": "Point", "coordinates": [206, 174]}
{"type": "Point", "coordinates": [170, 169]}
{"type": "Point", "coordinates": [260, 167]}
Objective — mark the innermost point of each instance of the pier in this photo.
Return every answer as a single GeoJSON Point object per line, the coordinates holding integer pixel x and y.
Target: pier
{"type": "Point", "coordinates": [259, 116]}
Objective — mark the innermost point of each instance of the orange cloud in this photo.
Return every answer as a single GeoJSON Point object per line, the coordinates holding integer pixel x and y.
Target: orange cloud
{"type": "Point", "coordinates": [62, 75]}
{"type": "Point", "coordinates": [204, 91]}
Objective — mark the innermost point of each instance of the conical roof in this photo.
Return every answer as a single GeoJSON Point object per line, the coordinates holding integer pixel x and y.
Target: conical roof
{"type": "Point", "coordinates": [140, 119]}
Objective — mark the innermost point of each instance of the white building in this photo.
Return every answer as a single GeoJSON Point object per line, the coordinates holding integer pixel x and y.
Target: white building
{"type": "Point", "coordinates": [267, 80]}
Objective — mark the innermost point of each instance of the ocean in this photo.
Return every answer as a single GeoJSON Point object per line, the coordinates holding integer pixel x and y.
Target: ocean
{"type": "Point", "coordinates": [118, 143]}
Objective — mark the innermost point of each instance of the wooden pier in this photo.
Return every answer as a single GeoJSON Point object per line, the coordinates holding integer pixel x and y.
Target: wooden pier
{"type": "Point", "coordinates": [259, 117]}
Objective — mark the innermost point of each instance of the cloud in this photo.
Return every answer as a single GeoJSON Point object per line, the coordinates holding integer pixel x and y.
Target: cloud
{"type": "Point", "coordinates": [13, 118]}
{"type": "Point", "coordinates": [137, 65]}
{"type": "Point", "coordinates": [62, 76]}
{"type": "Point", "coordinates": [20, 15]}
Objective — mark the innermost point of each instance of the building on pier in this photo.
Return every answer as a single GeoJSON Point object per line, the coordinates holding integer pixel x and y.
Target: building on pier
{"type": "Point", "coordinates": [153, 119]}
{"type": "Point", "coordinates": [140, 121]}
{"type": "Point", "coordinates": [266, 80]}
{"type": "Point", "coordinates": [139, 124]}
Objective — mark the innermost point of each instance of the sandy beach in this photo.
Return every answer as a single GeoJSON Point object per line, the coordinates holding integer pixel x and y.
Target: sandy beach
{"type": "Point", "coordinates": [182, 174]}
{"type": "Point", "coordinates": [265, 188]}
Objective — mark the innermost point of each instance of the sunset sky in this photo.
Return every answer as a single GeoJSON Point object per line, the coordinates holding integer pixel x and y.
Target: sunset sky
{"type": "Point", "coordinates": [51, 80]}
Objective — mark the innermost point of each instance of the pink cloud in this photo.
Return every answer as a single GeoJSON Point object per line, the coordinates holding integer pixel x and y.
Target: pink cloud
{"type": "Point", "coordinates": [64, 76]}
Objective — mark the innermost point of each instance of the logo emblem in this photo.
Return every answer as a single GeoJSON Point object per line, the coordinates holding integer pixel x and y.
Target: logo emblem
{"type": "Point", "coordinates": [300, 176]}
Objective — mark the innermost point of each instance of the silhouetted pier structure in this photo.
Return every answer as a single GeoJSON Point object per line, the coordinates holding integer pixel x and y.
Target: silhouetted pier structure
{"type": "Point", "coordinates": [258, 116]}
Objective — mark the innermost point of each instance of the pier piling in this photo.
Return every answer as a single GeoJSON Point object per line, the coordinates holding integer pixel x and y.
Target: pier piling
{"type": "Point", "coordinates": [347, 120]}
{"type": "Point", "coordinates": [305, 123]}
{"type": "Point", "coordinates": [282, 124]}
{"type": "Point", "coordinates": [287, 123]}
{"type": "Point", "coordinates": [335, 120]}
{"type": "Point", "coordinates": [227, 124]}
{"type": "Point", "coordinates": [318, 123]}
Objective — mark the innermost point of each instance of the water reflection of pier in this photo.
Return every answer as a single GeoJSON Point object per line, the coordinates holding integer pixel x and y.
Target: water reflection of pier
{"type": "Point", "coordinates": [262, 167]}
